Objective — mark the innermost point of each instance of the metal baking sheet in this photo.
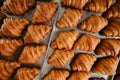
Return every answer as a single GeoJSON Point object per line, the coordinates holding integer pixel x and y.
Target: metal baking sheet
{"type": "Point", "coordinates": [42, 63]}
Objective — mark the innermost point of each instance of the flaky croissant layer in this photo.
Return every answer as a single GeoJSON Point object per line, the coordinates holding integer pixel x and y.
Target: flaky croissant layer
{"type": "Point", "coordinates": [13, 26]}
{"type": "Point", "coordinates": [17, 7]}
{"type": "Point", "coordinates": [7, 68]}
{"type": "Point", "coordinates": [8, 47]}
{"type": "Point", "coordinates": [26, 73]}
{"type": "Point", "coordinates": [31, 54]}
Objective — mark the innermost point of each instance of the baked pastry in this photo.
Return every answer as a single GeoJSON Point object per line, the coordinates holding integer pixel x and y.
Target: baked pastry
{"type": "Point", "coordinates": [83, 62]}
{"type": "Point", "coordinates": [37, 33]}
{"type": "Point", "coordinates": [106, 66]}
{"type": "Point", "coordinates": [93, 24]}
{"type": "Point", "coordinates": [26, 73]}
{"type": "Point", "coordinates": [17, 7]}
{"type": "Point", "coordinates": [13, 26]}
{"type": "Point", "coordinates": [80, 76]}
{"type": "Point", "coordinates": [7, 68]}
{"type": "Point", "coordinates": [57, 75]}
{"type": "Point", "coordinates": [112, 29]}
{"type": "Point", "coordinates": [61, 57]}
{"type": "Point", "coordinates": [70, 18]}
{"type": "Point", "coordinates": [8, 47]}
{"type": "Point", "coordinates": [99, 5]}
{"type": "Point", "coordinates": [79, 4]}
{"type": "Point", "coordinates": [108, 47]}
{"type": "Point", "coordinates": [113, 11]}
{"type": "Point", "coordinates": [65, 40]}
{"type": "Point", "coordinates": [96, 79]}
{"type": "Point", "coordinates": [44, 12]}
{"type": "Point", "coordinates": [31, 54]}
{"type": "Point", "coordinates": [86, 42]}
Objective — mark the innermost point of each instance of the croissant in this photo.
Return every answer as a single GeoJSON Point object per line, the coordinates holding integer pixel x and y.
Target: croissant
{"type": "Point", "coordinates": [7, 68]}
{"type": "Point", "coordinates": [96, 79]}
{"type": "Point", "coordinates": [61, 57]}
{"type": "Point", "coordinates": [80, 76]}
{"type": "Point", "coordinates": [108, 47]}
{"type": "Point", "coordinates": [31, 54]}
{"type": "Point", "coordinates": [86, 42]}
{"type": "Point", "coordinates": [112, 29]}
{"type": "Point", "coordinates": [13, 26]}
{"type": "Point", "coordinates": [93, 24]}
{"type": "Point", "coordinates": [113, 11]}
{"type": "Point", "coordinates": [106, 66]}
{"type": "Point", "coordinates": [99, 5]}
{"type": "Point", "coordinates": [79, 4]}
{"type": "Point", "coordinates": [65, 40]}
{"type": "Point", "coordinates": [26, 73]}
{"type": "Point", "coordinates": [70, 18]}
{"type": "Point", "coordinates": [36, 33]}
{"type": "Point", "coordinates": [83, 62]}
{"type": "Point", "coordinates": [17, 7]}
{"type": "Point", "coordinates": [57, 75]}
{"type": "Point", "coordinates": [44, 12]}
{"type": "Point", "coordinates": [9, 46]}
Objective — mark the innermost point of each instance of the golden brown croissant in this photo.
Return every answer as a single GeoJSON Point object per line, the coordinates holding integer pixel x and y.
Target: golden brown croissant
{"type": "Point", "coordinates": [7, 68]}
{"type": "Point", "coordinates": [106, 66]}
{"type": "Point", "coordinates": [31, 54]}
{"type": "Point", "coordinates": [70, 18]}
{"type": "Point", "coordinates": [99, 5]}
{"type": "Point", "coordinates": [83, 62]}
{"type": "Point", "coordinates": [13, 26]}
{"type": "Point", "coordinates": [61, 57]}
{"type": "Point", "coordinates": [86, 42]}
{"type": "Point", "coordinates": [17, 7]}
{"type": "Point", "coordinates": [80, 76]}
{"type": "Point", "coordinates": [108, 47]}
{"type": "Point", "coordinates": [113, 11]}
{"type": "Point", "coordinates": [9, 46]}
{"type": "Point", "coordinates": [44, 12]}
{"type": "Point", "coordinates": [36, 33]}
{"type": "Point", "coordinates": [26, 73]}
{"type": "Point", "coordinates": [93, 24]}
{"type": "Point", "coordinates": [57, 75]}
{"type": "Point", "coordinates": [79, 4]}
{"type": "Point", "coordinates": [113, 29]}
{"type": "Point", "coordinates": [96, 79]}
{"type": "Point", "coordinates": [65, 40]}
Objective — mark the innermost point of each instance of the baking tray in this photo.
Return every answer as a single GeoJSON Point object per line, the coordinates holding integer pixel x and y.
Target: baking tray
{"type": "Point", "coordinates": [42, 63]}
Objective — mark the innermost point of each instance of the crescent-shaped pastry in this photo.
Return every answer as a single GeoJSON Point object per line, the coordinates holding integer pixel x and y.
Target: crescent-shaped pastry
{"type": "Point", "coordinates": [79, 4]}
{"type": "Point", "coordinates": [31, 54]}
{"type": "Point", "coordinates": [108, 47]}
{"type": "Point", "coordinates": [65, 40]}
{"type": "Point", "coordinates": [80, 76]}
{"type": "Point", "coordinates": [70, 18]}
{"type": "Point", "coordinates": [57, 75]}
{"type": "Point", "coordinates": [106, 66]}
{"type": "Point", "coordinates": [113, 11]}
{"type": "Point", "coordinates": [13, 26]}
{"type": "Point", "coordinates": [112, 29]}
{"type": "Point", "coordinates": [8, 47]}
{"type": "Point", "coordinates": [83, 62]}
{"type": "Point", "coordinates": [61, 57]}
{"type": "Point", "coordinates": [44, 12]}
{"type": "Point", "coordinates": [93, 24]}
{"type": "Point", "coordinates": [17, 7]}
{"type": "Point", "coordinates": [7, 68]}
{"type": "Point", "coordinates": [99, 5]}
{"type": "Point", "coordinates": [86, 42]}
{"type": "Point", "coordinates": [37, 33]}
{"type": "Point", "coordinates": [26, 73]}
